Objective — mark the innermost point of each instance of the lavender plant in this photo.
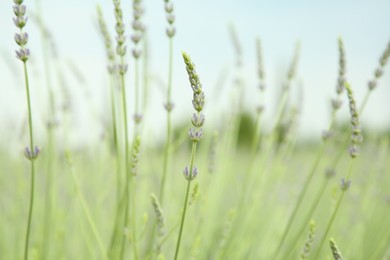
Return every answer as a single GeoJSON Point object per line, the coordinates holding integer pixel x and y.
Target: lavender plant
{"type": "Point", "coordinates": [170, 32]}
{"type": "Point", "coordinates": [356, 139]}
{"type": "Point", "coordinates": [195, 133]}
{"type": "Point", "coordinates": [31, 152]}
{"type": "Point", "coordinates": [136, 38]}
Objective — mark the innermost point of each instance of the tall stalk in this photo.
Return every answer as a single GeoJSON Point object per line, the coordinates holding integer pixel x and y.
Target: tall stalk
{"type": "Point", "coordinates": [170, 32]}
{"type": "Point", "coordinates": [31, 152]}
{"type": "Point", "coordinates": [195, 134]}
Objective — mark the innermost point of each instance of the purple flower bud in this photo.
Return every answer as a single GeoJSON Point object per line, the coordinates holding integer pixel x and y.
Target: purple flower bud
{"type": "Point", "coordinates": [120, 39]}
{"type": "Point", "coordinates": [345, 184]}
{"type": "Point", "coordinates": [171, 31]}
{"type": "Point", "coordinates": [190, 175]}
{"type": "Point", "coordinates": [169, 106]}
{"type": "Point", "coordinates": [21, 39]}
{"type": "Point", "coordinates": [23, 54]}
{"type": "Point", "coordinates": [168, 7]}
{"type": "Point", "coordinates": [170, 18]}
{"type": "Point", "coordinates": [31, 155]}
{"type": "Point", "coordinates": [19, 10]}
{"type": "Point", "coordinates": [372, 84]}
{"type": "Point", "coordinates": [353, 151]}
{"type": "Point", "coordinates": [198, 101]}
{"type": "Point", "coordinates": [20, 21]}
{"type": "Point", "coordinates": [136, 38]}
{"type": "Point", "coordinates": [195, 134]}
{"type": "Point", "coordinates": [198, 120]}
{"type": "Point", "coordinates": [136, 53]}
{"type": "Point", "coordinates": [378, 72]}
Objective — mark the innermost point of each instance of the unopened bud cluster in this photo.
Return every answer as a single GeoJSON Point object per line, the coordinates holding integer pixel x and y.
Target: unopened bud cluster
{"type": "Point", "coordinates": [120, 37]}
{"type": "Point", "coordinates": [342, 68]}
{"type": "Point", "coordinates": [379, 70]}
{"type": "Point", "coordinates": [138, 28]}
{"type": "Point", "coordinates": [171, 30]}
{"type": "Point", "coordinates": [107, 42]}
{"type": "Point", "coordinates": [260, 66]}
{"type": "Point", "coordinates": [135, 155]}
{"type": "Point", "coordinates": [21, 38]}
{"type": "Point", "coordinates": [198, 119]}
{"type": "Point", "coordinates": [356, 137]}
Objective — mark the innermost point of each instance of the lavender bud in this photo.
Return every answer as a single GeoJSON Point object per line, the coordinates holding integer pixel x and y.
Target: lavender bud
{"type": "Point", "coordinates": [31, 155]}
{"type": "Point", "coordinates": [195, 134]}
{"type": "Point", "coordinates": [345, 184]}
{"type": "Point", "coordinates": [353, 151]}
{"type": "Point", "coordinates": [122, 69]}
{"type": "Point", "coordinates": [170, 18]}
{"type": "Point", "coordinates": [198, 101]}
{"type": "Point", "coordinates": [190, 176]}
{"type": "Point", "coordinates": [168, 7]}
{"type": "Point", "coordinates": [378, 72]}
{"type": "Point", "coordinates": [171, 31]}
{"type": "Point", "coordinates": [136, 53]}
{"type": "Point", "coordinates": [169, 106]}
{"type": "Point", "coordinates": [198, 120]}
{"type": "Point", "coordinates": [19, 10]}
{"type": "Point", "coordinates": [372, 84]}
{"type": "Point", "coordinates": [136, 38]}
{"type": "Point", "coordinates": [20, 21]}
{"type": "Point", "coordinates": [23, 54]}
{"type": "Point", "coordinates": [121, 50]}
{"type": "Point", "coordinates": [21, 38]}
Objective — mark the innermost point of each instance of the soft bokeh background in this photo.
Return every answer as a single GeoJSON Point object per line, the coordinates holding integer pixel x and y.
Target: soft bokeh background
{"type": "Point", "coordinates": [202, 31]}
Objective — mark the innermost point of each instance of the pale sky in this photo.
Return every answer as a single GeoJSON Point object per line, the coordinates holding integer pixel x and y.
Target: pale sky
{"type": "Point", "coordinates": [202, 31]}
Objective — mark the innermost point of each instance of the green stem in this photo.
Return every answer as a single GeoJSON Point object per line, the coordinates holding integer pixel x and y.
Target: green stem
{"type": "Point", "coordinates": [86, 210]}
{"type": "Point", "coordinates": [133, 214]}
{"type": "Point", "coordinates": [30, 211]}
{"type": "Point", "coordinates": [127, 171]}
{"type": "Point", "coordinates": [325, 235]}
{"type": "Point", "coordinates": [185, 201]}
{"type": "Point", "coordinates": [117, 168]}
{"type": "Point", "coordinates": [168, 104]}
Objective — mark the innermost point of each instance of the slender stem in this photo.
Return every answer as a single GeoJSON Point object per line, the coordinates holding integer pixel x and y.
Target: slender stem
{"type": "Point", "coordinates": [132, 178]}
{"type": "Point", "coordinates": [133, 214]}
{"type": "Point", "coordinates": [168, 108]}
{"type": "Point", "coordinates": [185, 201]}
{"type": "Point", "coordinates": [364, 102]}
{"type": "Point", "coordinates": [300, 199]}
{"type": "Point", "coordinates": [332, 218]}
{"type": "Point", "coordinates": [30, 211]}
{"type": "Point", "coordinates": [127, 171]}
{"type": "Point", "coordinates": [117, 168]}
{"type": "Point", "coordinates": [87, 211]}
